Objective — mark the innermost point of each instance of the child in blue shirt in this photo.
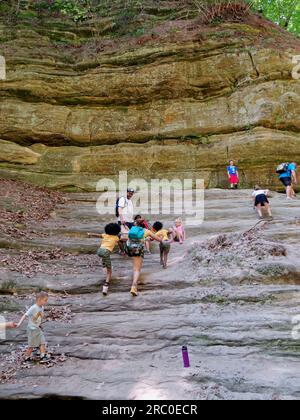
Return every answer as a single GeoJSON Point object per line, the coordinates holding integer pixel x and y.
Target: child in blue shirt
{"type": "Point", "coordinates": [233, 175]}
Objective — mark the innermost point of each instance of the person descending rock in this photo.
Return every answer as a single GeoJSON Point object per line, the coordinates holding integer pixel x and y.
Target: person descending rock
{"type": "Point", "coordinates": [288, 176]}
{"type": "Point", "coordinates": [35, 333]}
{"type": "Point", "coordinates": [110, 239]}
{"type": "Point", "coordinates": [260, 201]}
{"type": "Point", "coordinates": [165, 245]}
{"type": "Point", "coordinates": [233, 175]}
{"type": "Point", "coordinates": [125, 210]}
{"type": "Point", "coordinates": [135, 248]}
{"type": "Point", "coordinates": [124, 213]}
{"type": "Point", "coordinates": [178, 232]}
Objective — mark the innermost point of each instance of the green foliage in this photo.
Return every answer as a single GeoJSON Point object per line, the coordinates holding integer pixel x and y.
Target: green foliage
{"type": "Point", "coordinates": [285, 13]}
{"type": "Point", "coordinates": [129, 15]}
{"type": "Point", "coordinates": [76, 9]}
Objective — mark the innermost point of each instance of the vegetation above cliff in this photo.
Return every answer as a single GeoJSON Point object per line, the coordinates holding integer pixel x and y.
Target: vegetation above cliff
{"type": "Point", "coordinates": [126, 15]}
{"type": "Point", "coordinates": [87, 28]}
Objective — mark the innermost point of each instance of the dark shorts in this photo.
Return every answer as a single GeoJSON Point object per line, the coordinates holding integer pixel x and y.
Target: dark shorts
{"type": "Point", "coordinates": [105, 255]}
{"type": "Point", "coordinates": [261, 199]}
{"type": "Point", "coordinates": [165, 246]}
{"type": "Point", "coordinates": [135, 248]}
{"type": "Point", "coordinates": [129, 225]}
{"type": "Point", "coordinates": [287, 182]}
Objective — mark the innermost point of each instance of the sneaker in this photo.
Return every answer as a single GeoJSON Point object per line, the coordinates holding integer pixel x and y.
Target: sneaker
{"type": "Point", "coordinates": [28, 360]}
{"type": "Point", "coordinates": [134, 291]}
{"type": "Point", "coordinates": [45, 359]}
{"type": "Point", "coordinates": [105, 289]}
{"type": "Point", "coordinates": [36, 353]}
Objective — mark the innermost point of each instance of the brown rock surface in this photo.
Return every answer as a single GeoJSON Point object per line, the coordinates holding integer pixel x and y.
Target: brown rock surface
{"type": "Point", "coordinates": [13, 153]}
{"type": "Point", "coordinates": [235, 314]}
{"type": "Point", "coordinates": [192, 102]}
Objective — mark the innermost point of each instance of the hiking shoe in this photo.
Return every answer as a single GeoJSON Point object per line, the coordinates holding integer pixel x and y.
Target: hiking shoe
{"type": "Point", "coordinates": [105, 289]}
{"type": "Point", "coordinates": [45, 359]}
{"type": "Point", "coordinates": [36, 353]}
{"type": "Point", "coordinates": [28, 360]}
{"type": "Point", "coordinates": [134, 291]}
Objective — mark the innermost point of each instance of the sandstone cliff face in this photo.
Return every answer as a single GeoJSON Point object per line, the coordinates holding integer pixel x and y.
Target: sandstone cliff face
{"type": "Point", "coordinates": [163, 109]}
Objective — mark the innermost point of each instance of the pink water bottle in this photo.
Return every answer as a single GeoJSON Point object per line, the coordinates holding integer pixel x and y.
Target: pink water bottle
{"type": "Point", "coordinates": [185, 356]}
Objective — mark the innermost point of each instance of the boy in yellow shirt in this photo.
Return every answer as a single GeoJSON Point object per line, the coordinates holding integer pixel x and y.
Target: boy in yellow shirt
{"type": "Point", "coordinates": [165, 245]}
{"type": "Point", "coordinates": [110, 239]}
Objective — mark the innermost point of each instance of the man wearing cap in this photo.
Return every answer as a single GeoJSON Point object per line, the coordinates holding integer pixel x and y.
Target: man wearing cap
{"type": "Point", "coordinates": [125, 209]}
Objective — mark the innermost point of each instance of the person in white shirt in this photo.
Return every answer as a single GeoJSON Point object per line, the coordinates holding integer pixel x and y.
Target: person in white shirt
{"type": "Point", "coordinates": [126, 210]}
{"type": "Point", "coordinates": [261, 200]}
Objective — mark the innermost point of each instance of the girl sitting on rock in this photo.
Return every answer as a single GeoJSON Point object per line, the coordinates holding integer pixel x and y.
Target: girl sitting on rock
{"type": "Point", "coordinates": [179, 231]}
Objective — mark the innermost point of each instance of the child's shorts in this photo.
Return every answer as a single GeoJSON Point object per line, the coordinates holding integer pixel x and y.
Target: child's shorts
{"type": "Point", "coordinates": [105, 255]}
{"type": "Point", "coordinates": [36, 337]}
{"type": "Point", "coordinates": [135, 248]}
{"type": "Point", "coordinates": [165, 246]}
{"type": "Point", "coordinates": [234, 179]}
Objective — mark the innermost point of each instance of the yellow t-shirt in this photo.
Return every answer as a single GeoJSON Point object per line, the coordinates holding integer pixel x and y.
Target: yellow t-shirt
{"type": "Point", "coordinates": [163, 234]}
{"type": "Point", "coordinates": [147, 233]}
{"type": "Point", "coordinates": [109, 241]}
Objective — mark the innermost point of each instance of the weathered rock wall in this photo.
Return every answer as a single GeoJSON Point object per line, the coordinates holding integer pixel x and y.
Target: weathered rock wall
{"type": "Point", "coordinates": [164, 109]}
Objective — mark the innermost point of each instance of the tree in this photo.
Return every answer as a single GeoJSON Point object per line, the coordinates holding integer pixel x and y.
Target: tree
{"type": "Point", "coordinates": [286, 13]}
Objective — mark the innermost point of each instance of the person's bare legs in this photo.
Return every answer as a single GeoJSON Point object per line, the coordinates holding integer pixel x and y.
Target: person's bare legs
{"type": "Point", "coordinates": [269, 210]}
{"type": "Point", "coordinates": [259, 210]}
{"type": "Point", "coordinates": [28, 352]}
{"type": "Point", "coordinates": [107, 281]}
{"type": "Point", "coordinates": [165, 258]}
{"type": "Point", "coordinates": [42, 349]}
{"type": "Point", "coordinates": [108, 275]}
{"type": "Point", "coordinates": [137, 268]}
{"type": "Point", "coordinates": [121, 249]}
{"type": "Point", "coordinates": [181, 238]}
{"type": "Point", "coordinates": [147, 246]}
{"type": "Point", "coordinates": [161, 256]}
{"type": "Point", "coordinates": [289, 192]}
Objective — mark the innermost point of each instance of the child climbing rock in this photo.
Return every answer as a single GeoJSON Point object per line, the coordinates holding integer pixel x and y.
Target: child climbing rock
{"type": "Point", "coordinates": [165, 245]}
{"type": "Point", "coordinates": [138, 218]}
{"type": "Point", "coordinates": [260, 201]}
{"type": "Point", "coordinates": [35, 333]}
{"type": "Point", "coordinates": [110, 239]}
{"type": "Point", "coordinates": [135, 248]}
